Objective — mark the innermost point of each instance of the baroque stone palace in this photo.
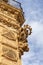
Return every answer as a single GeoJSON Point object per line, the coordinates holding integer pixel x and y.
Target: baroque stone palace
{"type": "Point", "coordinates": [13, 37]}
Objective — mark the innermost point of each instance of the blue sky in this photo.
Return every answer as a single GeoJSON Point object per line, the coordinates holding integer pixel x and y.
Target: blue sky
{"type": "Point", "coordinates": [34, 17]}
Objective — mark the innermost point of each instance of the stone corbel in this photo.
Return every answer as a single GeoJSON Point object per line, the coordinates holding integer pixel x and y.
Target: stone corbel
{"type": "Point", "coordinates": [23, 47]}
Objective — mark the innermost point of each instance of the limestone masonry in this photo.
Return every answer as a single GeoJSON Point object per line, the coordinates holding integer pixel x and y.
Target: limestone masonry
{"type": "Point", "coordinates": [13, 37]}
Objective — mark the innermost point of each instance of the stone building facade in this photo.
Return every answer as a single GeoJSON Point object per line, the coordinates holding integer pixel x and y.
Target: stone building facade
{"type": "Point", "coordinates": [13, 37]}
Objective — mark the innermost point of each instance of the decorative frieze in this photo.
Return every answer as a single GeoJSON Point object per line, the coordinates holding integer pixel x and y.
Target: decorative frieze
{"type": "Point", "coordinates": [13, 37]}
{"type": "Point", "coordinates": [14, 11]}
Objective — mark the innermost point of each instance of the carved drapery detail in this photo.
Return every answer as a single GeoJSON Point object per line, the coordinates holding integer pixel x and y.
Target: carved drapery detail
{"type": "Point", "coordinates": [9, 54]}
{"type": "Point", "coordinates": [9, 35]}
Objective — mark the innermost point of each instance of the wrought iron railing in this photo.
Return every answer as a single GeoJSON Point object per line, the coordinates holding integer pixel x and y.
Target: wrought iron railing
{"type": "Point", "coordinates": [15, 4]}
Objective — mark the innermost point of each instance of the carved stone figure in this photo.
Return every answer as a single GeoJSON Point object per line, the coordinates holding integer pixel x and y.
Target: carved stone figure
{"type": "Point", "coordinates": [13, 37]}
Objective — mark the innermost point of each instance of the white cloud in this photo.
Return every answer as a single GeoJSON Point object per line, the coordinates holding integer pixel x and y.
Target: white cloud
{"type": "Point", "coordinates": [37, 32]}
{"type": "Point", "coordinates": [34, 13]}
{"type": "Point", "coordinates": [35, 55]}
{"type": "Point", "coordinates": [35, 20]}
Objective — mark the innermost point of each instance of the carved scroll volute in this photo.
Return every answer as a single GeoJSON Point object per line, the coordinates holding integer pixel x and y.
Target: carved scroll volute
{"type": "Point", "coordinates": [28, 29]}
{"type": "Point", "coordinates": [23, 34]}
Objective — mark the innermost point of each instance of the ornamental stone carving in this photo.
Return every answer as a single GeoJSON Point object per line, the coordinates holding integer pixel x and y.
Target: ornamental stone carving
{"type": "Point", "coordinates": [13, 37]}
